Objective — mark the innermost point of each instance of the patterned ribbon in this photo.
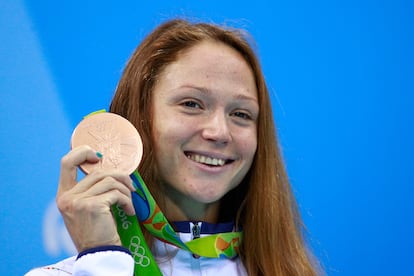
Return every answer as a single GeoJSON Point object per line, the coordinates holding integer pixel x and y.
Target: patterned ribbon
{"type": "Point", "coordinates": [148, 212]}
{"type": "Point", "coordinates": [150, 215]}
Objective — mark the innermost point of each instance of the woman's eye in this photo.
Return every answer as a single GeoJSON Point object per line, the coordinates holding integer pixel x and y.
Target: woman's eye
{"type": "Point", "coordinates": [191, 104]}
{"type": "Point", "coordinates": [242, 115]}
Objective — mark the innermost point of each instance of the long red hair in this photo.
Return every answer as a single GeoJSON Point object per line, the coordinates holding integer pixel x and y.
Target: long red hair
{"type": "Point", "coordinates": [263, 204]}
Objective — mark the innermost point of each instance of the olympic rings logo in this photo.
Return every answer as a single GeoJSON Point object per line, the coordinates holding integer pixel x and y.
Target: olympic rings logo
{"type": "Point", "coordinates": [138, 252]}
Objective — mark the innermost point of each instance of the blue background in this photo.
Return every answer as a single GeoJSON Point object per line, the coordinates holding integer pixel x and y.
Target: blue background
{"type": "Point", "coordinates": [341, 77]}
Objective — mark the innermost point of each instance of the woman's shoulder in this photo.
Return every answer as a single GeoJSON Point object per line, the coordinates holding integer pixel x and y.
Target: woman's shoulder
{"type": "Point", "coordinates": [61, 268]}
{"type": "Point", "coordinates": [95, 261]}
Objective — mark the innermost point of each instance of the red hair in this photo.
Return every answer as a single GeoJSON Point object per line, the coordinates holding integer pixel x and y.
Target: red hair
{"type": "Point", "coordinates": [263, 204]}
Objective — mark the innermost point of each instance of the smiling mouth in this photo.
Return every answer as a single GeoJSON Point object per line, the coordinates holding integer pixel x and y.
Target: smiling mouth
{"type": "Point", "coordinates": [207, 160]}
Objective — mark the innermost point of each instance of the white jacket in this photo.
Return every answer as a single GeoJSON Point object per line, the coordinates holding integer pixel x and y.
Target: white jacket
{"type": "Point", "coordinates": [171, 260]}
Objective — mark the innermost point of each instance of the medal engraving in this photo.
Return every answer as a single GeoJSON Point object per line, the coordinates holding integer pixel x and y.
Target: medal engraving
{"type": "Point", "coordinates": [113, 136]}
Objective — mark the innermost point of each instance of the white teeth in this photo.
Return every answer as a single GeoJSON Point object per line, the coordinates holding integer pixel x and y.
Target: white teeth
{"type": "Point", "coordinates": [207, 160]}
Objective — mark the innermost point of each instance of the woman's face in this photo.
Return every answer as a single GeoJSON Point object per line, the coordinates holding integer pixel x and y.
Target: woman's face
{"type": "Point", "coordinates": [205, 111]}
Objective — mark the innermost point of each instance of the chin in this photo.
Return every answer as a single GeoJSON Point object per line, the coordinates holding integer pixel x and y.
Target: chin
{"type": "Point", "coordinates": [207, 199]}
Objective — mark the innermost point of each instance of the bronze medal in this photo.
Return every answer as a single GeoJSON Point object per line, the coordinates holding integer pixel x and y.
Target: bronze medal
{"type": "Point", "coordinates": [113, 136]}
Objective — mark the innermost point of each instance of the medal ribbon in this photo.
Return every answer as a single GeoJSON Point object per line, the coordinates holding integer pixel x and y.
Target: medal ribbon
{"type": "Point", "coordinates": [150, 215]}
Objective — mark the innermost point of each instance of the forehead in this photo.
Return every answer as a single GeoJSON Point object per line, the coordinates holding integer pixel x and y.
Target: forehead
{"type": "Point", "coordinates": [209, 61]}
{"type": "Point", "coordinates": [214, 53]}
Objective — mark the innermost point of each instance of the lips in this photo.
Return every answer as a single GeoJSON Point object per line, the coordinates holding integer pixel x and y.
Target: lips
{"type": "Point", "coordinates": [207, 160]}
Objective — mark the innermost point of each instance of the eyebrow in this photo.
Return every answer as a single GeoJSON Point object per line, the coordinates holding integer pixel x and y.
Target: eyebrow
{"type": "Point", "coordinates": [206, 91]}
{"type": "Point", "coordinates": [248, 98]}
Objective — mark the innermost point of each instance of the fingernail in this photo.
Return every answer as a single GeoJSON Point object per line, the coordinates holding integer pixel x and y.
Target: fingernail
{"type": "Point", "coordinates": [99, 154]}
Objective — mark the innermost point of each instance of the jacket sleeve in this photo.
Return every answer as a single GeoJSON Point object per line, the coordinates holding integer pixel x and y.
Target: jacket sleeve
{"type": "Point", "coordinates": [102, 261]}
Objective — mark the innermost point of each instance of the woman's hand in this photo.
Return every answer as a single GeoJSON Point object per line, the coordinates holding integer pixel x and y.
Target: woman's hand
{"type": "Point", "coordinates": [86, 206]}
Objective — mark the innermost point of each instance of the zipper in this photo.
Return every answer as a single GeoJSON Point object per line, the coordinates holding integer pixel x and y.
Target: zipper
{"type": "Point", "coordinates": [195, 231]}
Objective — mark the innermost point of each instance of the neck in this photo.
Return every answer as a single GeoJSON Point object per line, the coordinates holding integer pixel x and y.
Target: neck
{"type": "Point", "coordinates": [191, 212]}
{"type": "Point", "coordinates": [179, 208]}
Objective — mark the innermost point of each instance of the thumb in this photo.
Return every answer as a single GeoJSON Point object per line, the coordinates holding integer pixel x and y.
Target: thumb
{"type": "Point", "coordinates": [69, 165]}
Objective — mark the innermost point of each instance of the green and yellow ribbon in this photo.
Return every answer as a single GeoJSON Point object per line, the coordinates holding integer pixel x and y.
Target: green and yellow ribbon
{"type": "Point", "coordinates": [152, 218]}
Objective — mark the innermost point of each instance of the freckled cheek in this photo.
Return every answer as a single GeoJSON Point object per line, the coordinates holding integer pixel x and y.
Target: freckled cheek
{"type": "Point", "coordinates": [163, 145]}
{"type": "Point", "coordinates": [177, 131]}
{"type": "Point", "coordinates": [164, 130]}
{"type": "Point", "coordinates": [168, 138]}
{"type": "Point", "coordinates": [248, 145]}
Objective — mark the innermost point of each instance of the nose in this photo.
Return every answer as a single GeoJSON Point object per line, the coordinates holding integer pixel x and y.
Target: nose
{"type": "Point", "coordinates": [216, 129]}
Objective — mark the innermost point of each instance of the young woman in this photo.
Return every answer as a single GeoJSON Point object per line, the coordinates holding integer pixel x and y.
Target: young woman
{"type": "Point", "coordinates": [197, 96]}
